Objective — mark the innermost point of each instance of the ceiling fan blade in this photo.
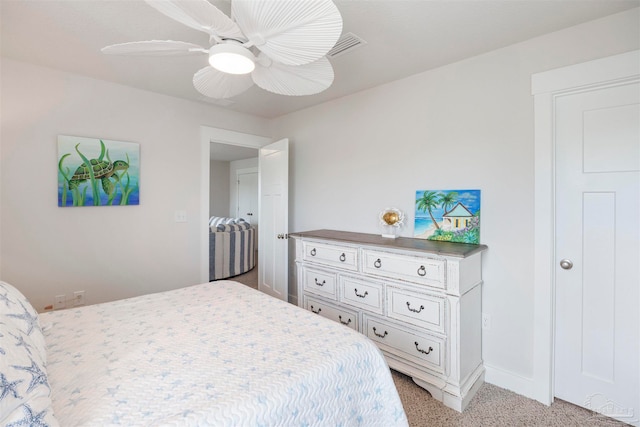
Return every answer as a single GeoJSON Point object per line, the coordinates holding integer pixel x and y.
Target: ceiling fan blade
{"type": "Point", "coordinates": [154, 48]}
{"type": "Point", "coordinates": [307, 79]}
{"type": "Point", "coordinates": [216, 84]}
{"type": "Point", "coordinates": [293, 32]}
{"type": "Point", "coordinates": [200, 15]}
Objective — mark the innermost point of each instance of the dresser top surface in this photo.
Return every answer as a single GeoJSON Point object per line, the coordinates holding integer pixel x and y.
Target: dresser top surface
{"type": "Point", "coordinates": [460, 250]}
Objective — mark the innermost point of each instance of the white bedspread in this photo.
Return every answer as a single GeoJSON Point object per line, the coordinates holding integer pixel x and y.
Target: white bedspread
{"type": "Point", "coordinates": [217, 354]}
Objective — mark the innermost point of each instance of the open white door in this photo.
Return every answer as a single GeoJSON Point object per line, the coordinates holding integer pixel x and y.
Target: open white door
{"type": "Point", "coordinates": [273, 165]}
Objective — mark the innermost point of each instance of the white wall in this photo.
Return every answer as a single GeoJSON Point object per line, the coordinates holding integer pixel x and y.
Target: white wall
{"type": "Point", "coordinates": [466, 125]}
{"type": "Point", "coordinates": [223, 186]}
{"type": "Point", "coordinates": [110, 252]}
{"type": "Point", "coordinates": [219, 188]}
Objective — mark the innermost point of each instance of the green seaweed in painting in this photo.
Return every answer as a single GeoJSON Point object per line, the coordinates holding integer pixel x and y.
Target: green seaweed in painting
{"type": "Point", "coordinates": [94, 171]}
{"type": "Point", "coordinates": [126, 190]}
{"type": "Point", "coordinates": [89, 166]}
{"type": "Point", "coordinates": [108, 186]}
{"type": "Point", "coordinates": [70, 184]}
{"type": "Point", "coordinates": [65, 185]}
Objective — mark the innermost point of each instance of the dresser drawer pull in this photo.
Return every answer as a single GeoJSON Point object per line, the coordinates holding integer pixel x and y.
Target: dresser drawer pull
{"type": "Point", "coordinates": [421, 350]}
{"type": "Point", "coordinates": [381, 335]}
{"type": "Point", "coordinates": [344, 323]}
{"type": "Point", "coordinates": [343, 258]}
{"type": "Point", "coordinates": [377, 263]}
{"type": "Point", "coordinates": [313, 252]}
{"type": "Point", "coordinates": [414, 310]}
{"type": "Point", "coordinates": [320, 284]}
{"type": "Point", "coordinates": [316, 312]}
{"type": "Point", "coordinates": [360, 295]}
{"type": "Point", "coordinates": [422, 271]}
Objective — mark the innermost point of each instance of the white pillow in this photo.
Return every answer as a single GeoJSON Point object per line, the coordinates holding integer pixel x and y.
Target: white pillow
{"type": "Point", "coordinates": [16, 309]}
{"type": "Point", "coordinates": [214, 221]}
{"type": "Point", "coordinates": [25, 395]}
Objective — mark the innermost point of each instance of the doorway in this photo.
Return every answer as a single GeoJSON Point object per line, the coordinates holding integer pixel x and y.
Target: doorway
{"type": "Point", "coordinates": [225, 141]}
{"type": "Point", "coordinates": [234, 194]}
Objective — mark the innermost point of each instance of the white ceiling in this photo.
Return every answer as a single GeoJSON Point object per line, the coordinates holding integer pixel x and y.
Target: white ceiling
{"type": "Point", "coordinates": [229, 153]}
{"type": "Point", "coordinates": [403, 38]}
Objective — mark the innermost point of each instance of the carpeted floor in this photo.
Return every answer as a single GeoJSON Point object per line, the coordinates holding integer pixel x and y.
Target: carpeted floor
{"type": "Point", "coordinates": [492, 405]}
{"type": "Point", "coordinates": [250, 278]}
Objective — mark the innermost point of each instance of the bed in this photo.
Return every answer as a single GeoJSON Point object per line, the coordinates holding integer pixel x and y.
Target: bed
{"type": "Point", "coordinates": [218, 354]}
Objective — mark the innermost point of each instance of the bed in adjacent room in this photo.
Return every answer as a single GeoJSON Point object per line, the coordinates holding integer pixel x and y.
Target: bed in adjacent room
{"type": "Point", "coordinates": [213, 354]}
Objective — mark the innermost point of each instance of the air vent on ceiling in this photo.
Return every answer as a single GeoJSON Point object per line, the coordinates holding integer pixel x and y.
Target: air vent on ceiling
{"type": "Point", "coordinates": [346, 43]}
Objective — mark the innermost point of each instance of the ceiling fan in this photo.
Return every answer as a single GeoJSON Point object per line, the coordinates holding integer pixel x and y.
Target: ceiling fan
{"type": "Point", "coordinates": [280, 45]}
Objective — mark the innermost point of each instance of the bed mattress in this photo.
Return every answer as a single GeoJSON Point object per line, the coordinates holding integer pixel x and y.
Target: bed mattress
{"type": "Point", "coordinates": [216, 354]}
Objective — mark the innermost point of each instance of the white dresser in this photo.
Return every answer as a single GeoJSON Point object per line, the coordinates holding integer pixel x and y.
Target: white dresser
{"type": "Point", "coordinates": [418, 300]}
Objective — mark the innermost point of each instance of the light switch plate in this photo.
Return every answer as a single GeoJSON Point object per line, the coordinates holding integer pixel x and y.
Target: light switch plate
{"type": "Point", "coordinates": [181, 216]}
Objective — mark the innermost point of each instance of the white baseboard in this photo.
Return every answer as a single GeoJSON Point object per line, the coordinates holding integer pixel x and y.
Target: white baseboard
{"type": "Point", "coordinates": [513, 382]}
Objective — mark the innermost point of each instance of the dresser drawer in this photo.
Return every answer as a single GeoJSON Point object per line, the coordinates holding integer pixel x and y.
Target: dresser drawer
{"type": "Point", "coordinates": [320, 282]}
{"type": "Point", "coordinates": [345, 257]}
{"type": "Point", "coordinates": [405, 267]}
{"type": "Point", "coordinates": [362, 293]}
{"type": "Point", "coordinates": [419, 309]}
{"type": "Point", "coordinates": [337, 314]}
{"type": "Point", "coordinates": [423, 349]}
{"type": "Point", "coordinates": [420, 303]}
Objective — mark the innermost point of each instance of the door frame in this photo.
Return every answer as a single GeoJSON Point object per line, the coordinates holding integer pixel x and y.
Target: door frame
{"type": "Point", "coordinates": [546, 87]}
{"type": "Point", "coordinates": [207, 136]}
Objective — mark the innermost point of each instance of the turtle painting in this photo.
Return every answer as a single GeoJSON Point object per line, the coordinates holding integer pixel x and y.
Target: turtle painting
{"type": "Point", "coordinates": [97, 179]}
{"type": "Point", "coordinates": [102, 170]}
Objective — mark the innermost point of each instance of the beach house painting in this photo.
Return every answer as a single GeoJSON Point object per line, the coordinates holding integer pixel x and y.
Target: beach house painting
{"type": "Point", "coordinates": [448, 215]}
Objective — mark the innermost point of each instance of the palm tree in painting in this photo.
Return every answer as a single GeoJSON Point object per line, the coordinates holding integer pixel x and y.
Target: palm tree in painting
{"type": "Point", "coordinates": [447, 200]}
{"type": "Point", "coordinates": [429, 201]}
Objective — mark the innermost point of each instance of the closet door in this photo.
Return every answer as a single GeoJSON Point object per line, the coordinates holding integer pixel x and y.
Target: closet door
{"type": "Point", "coordinates": [597, 171]}
{"type": "Point", "coordinates": [248, 197]}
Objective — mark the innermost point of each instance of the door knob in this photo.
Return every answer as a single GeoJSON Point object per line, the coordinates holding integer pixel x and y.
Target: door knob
{"type": "Point", "coordinates": [566, 264]}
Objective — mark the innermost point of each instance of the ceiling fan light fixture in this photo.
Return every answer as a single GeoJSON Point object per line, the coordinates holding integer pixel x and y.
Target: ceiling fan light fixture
{"type": "Point", "coordinates": [291, 39]}
{"type": "Point", "coordinates": [231, 59]}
